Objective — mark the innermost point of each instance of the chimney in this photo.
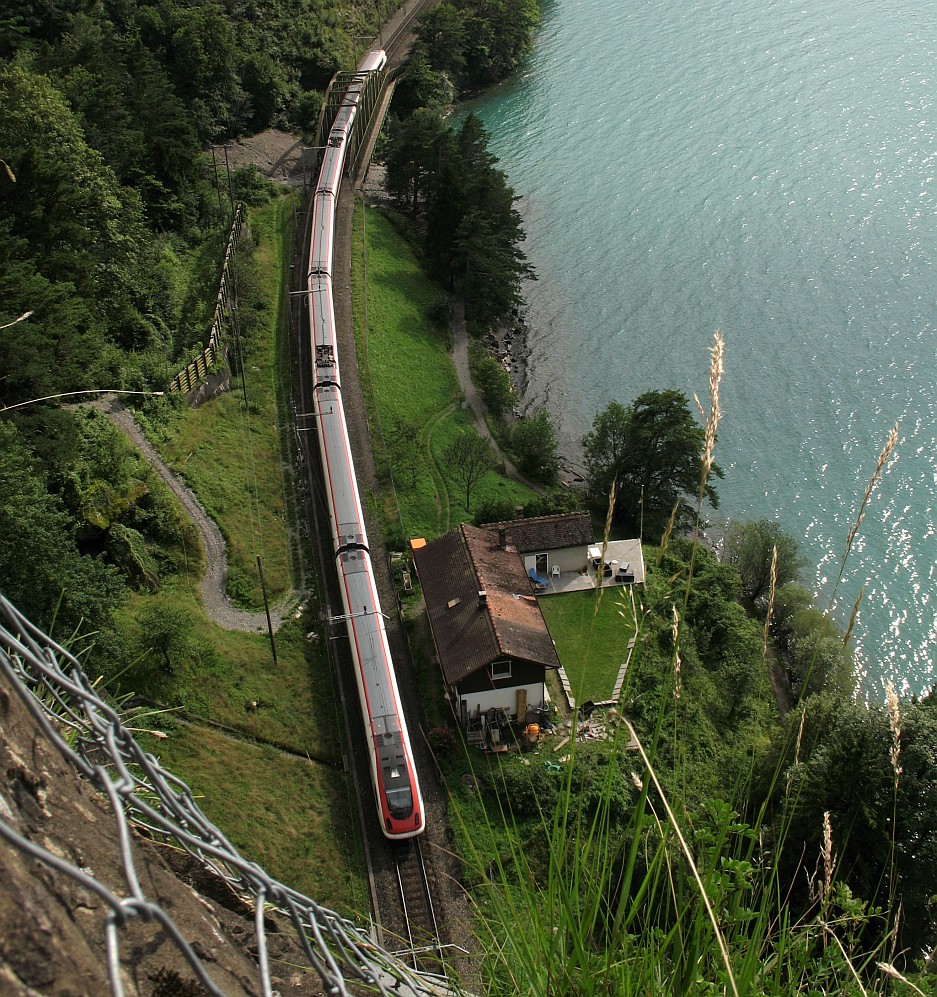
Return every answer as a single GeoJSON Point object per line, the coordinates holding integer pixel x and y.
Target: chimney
{"type": "Point", "coordinates": [502, 538]}
{"type": "Point", "coordinates": [482, 598]}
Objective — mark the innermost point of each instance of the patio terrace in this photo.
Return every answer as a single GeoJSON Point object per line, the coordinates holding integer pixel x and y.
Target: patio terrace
{"type": "Point", "coordinates": [621, 557]}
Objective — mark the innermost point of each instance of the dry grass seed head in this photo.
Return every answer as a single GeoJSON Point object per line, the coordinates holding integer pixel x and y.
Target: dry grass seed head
{"type": "Point", "coordinates": [716, 368]}
{"type": "Point", "coordinates": [883, 459]}
{"type": "Point", "coordinates": [894, 721]}
{"type": "Point", "coordinates": [699, 406]}
{"type": "Point", "coordinates": [894, 931]}
{"type": "Point", "coordinates": [853, 616]}
{"type": "Point", "coordinates": [665, 539]}
{"type": "Point", "coordinates": [800, 734]}
{"type": "Point", "coordinates": [771, 592]}
{"type": "Point", "coordinates": [675, 630]}
{"type": "Point", "coordinates": [797, 747]}
{"type": "Point", "coordinates": [609, 515]}
{"type": "Point", "coordinates": [890, 970]}
{"type": "Point", "coordinates": [826, 853]}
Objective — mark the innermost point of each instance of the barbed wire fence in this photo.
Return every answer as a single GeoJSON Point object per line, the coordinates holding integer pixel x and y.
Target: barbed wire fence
{"type": "Point", "coordinates": [89, 734]}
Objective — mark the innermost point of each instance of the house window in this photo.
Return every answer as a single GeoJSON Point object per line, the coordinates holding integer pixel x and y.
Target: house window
{"type": "Point", "coordinates": [501, 669]}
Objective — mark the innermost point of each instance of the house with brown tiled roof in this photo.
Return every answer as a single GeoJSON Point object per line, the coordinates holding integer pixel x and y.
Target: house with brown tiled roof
{"type": "Point", "coordinates": [480, 585]}
{"type": "Point", "coordinates": [493, 645]}
{"type": "Point", "coordinates": [568, 529]}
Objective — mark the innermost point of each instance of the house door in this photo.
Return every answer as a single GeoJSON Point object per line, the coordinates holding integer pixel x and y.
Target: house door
{"type": "Point", "coordinates": [543, 567]}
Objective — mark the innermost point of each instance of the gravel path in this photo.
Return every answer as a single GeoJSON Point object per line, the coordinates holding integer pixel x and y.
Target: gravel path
{"type": "Point", "coordinates": [212, 587]}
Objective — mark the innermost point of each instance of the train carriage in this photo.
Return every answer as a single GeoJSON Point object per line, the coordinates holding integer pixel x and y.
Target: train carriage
{"type": "Point", "coordinates": [393, 773]}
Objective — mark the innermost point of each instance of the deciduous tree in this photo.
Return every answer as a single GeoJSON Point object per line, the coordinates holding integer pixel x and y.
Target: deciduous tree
{"type": "Point", "coordinates": [653, 451]}
{"type": "Point", "coordinates": [533, 441]}
{"type": "Point", "coordinates": [750, 546]}
{"type": "Point", "coordinates": [469, 459]}
{"type": "Point", "coordinates": [41, 568]}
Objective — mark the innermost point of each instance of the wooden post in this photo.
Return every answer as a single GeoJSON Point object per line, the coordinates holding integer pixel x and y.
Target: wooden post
{"type": "Point", "coordinates": [263, 588]}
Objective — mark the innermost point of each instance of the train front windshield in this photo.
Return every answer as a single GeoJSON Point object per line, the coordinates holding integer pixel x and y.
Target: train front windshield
{"type": "Point", "coordinates": [400, 802]}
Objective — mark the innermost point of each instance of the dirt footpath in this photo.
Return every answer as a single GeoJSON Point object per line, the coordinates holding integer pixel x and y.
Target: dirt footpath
{"type": "Point", "coordinates": [212, 587]}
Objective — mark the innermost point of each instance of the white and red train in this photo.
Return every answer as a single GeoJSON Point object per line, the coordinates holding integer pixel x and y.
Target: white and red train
{"type": "Point", "coordinates": [393, 773]}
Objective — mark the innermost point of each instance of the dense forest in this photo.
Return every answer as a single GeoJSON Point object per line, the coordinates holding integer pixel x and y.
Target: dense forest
{"type": "Point", "coordinates": [113, 221]}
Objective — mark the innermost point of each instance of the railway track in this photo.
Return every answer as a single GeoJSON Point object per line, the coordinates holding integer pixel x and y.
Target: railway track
{"type": "Point", "coordinates": [404, 917]}
{"type": "Point", "coordinates": [396, 35]}
{"type": "Point", "coordinates": [423, 947]}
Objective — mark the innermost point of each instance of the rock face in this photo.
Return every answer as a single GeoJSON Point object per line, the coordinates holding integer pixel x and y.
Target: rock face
{"type": "Point", "coordinates": [53, 928]}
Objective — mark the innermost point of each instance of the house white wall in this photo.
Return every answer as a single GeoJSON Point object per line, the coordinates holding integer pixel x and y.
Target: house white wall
{"type": "Point", "coordinates": [568, 558]}
{"type": "Point", "coordinates": [500, 699]}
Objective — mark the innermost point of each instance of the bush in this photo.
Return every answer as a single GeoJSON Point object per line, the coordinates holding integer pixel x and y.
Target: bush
{"type": "Point", "coordinates": [496, 510]}
{"type": "Point", "coordinates": [533, 442]}
{"type": "Point", "coordinates": [491, 379]}
{"type": "Point", "coordinates": [442, 742]}
{"type": "Point", "coordinates": [251, 187]}
{"type": "Point", "coordinates": [440, 311]}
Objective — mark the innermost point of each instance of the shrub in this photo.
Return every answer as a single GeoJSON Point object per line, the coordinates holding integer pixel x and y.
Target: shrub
{"type": "Point", "coordinates": [442, 741]}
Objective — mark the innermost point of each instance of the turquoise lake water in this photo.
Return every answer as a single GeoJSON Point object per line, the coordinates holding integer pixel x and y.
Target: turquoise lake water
{"type": "Point", "coordinates": [767, 169]}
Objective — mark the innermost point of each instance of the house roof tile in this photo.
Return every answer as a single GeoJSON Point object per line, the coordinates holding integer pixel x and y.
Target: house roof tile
{"type": "Point", "coordinates": [542, 533]}
{"type": "Point", "coordinates": [470, 632]}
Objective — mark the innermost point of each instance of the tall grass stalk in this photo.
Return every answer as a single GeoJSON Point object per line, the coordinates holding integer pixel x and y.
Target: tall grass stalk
{"type": "Point", "coordinates": [772, 591]}
{"type": "Point", "coordinates": [881, 465]}
{"type": "Point", "coordinates": [710, 433]}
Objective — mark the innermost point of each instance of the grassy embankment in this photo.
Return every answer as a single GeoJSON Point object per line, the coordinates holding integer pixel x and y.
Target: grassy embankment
{"type": "Point", "coordinates": [293, 814]}
{"type": "Point", "coordinates": [409, 380]}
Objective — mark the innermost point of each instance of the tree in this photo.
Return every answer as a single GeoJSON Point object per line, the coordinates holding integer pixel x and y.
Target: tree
{"type": "Point", "coordinates": [167, 632]}
{"type": "Point", "coordinates": [750, 545]}
{"type": "Point", "coordinates": [916, 826]}
{"type": "Point", "coordinates": [533, 441]}
{"type": "Point", "coordinates": [605, 447]}
{"type": "Point", "coordinates": [491, 379]}
{"type": "Point", "coordinates": [469, 458]}
{"type": "Point", "coordinates": [417, 150]}
{"type": "Point", "coordinates": [42, 570]}
{"type": "Point", "coordinates": [816, 658]}
{"type": "Point", "coordinates": [421, 85]}
{"type": "Point", "coordinates": [442, 38]}
{"type": "Point", "coordinates": [883, 822]}
{"type": "Point", "coordinates": [498, 36]}
{"type": "Point", "coordinates": [653, 451]}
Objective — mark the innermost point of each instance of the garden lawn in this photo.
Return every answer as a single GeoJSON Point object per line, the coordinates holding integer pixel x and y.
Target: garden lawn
{"type": "Point", "coordinates": [591, 637]}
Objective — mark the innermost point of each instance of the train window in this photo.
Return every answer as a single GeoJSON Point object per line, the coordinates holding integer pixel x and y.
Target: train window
{"type": "Point", "coordinates": [399, 802]}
